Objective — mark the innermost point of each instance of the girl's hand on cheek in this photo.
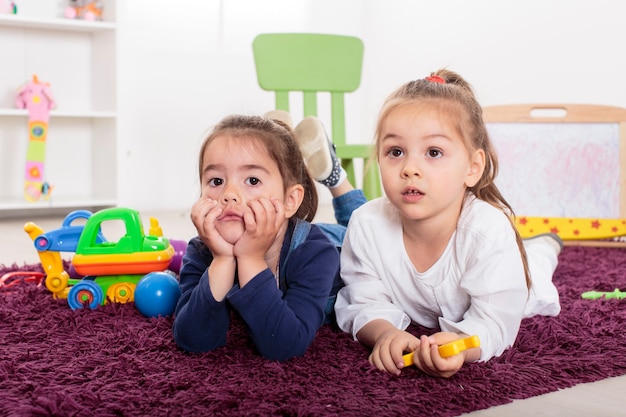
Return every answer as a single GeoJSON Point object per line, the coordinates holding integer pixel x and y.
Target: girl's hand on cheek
{"type": "Point", "coordinates": [262, 224]}
{"type": "Point", "coordinates": [203, 215]}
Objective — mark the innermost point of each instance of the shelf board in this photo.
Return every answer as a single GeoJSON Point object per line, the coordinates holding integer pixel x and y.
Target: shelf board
{"type": "Point", "coordinates": [55, 206]}
{"type": "Point", "coordinates": [76, 25]}
{"type": "Point", "coordinates": [56, 113]}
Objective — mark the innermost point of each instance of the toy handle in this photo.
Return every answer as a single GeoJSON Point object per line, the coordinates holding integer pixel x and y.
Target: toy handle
{"type": "Point", "coordinates": [449, 349]}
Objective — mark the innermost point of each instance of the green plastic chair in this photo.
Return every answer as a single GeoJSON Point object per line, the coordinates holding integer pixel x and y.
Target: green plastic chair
{"type": "Point", "coordinates": [312, 64]}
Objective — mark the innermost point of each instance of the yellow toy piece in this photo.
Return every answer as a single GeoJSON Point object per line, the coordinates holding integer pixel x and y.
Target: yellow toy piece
{"type": "Point", "coordinates": [56, 278]}
{"type": "Point", "coordinates": [121, 292]}
{"type": "Point", "coordinates": [571, 228]}
{"type": "Point", "coordinates": [449, 349]}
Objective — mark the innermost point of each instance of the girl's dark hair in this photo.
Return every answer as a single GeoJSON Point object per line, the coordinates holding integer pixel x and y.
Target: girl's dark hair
{"type": "Point", "coordinates": [453, 97]}
{"type": "Point", "coordinates": [279, 141]}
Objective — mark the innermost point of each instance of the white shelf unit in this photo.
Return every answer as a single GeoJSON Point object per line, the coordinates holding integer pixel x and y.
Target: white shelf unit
{"type": "Point", "coordinates": [78, 59]}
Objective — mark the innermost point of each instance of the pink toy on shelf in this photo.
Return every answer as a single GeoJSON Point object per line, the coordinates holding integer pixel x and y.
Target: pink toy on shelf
{"type": "Point", "coordinates": [84, 9]}
{"type": "Point", "coordinates": [37, 98]}
{"type": "Point", "coordinates": [8, 7]}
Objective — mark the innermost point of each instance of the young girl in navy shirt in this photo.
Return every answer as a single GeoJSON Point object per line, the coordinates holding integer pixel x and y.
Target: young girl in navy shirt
{"type": "Point", "coordinates": [256, 252]}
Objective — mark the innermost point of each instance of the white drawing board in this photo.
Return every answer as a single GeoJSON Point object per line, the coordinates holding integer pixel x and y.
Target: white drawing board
{"type": "Point", "coordinates": [560, 160]}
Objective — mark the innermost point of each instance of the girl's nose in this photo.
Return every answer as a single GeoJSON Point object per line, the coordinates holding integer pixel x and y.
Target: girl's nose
{"type": "Point", "coordinates": [410, 170]}
{"type": "Point", "coordinates": [230, 195]}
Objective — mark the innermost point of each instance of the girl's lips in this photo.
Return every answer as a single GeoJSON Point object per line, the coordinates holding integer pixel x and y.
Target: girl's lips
{"type": "Point", "coordinates": [229, 216]}
{"type": "Point", "coordinates": [412, 191]}
{"type": "Point", "coordinates": [412, 195]}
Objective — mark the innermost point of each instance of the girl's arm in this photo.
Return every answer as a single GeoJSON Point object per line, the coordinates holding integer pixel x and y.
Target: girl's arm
{"type": "Point", "coordinates": [493, 279]}
{"type": "Point", "coordinates": [498, 294]}
{"type": "Point", "coordinates": [388, 344]}
{"type": "Point", "coordinates": [364, 260]}
{"type": "Point", "coordinates": [284, 325]}
{"type": "Point", "coordinates": [200, 321]}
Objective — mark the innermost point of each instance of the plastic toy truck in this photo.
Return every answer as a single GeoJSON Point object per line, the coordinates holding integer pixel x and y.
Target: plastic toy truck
{"type": "Point", "coordinates": [100, 270]}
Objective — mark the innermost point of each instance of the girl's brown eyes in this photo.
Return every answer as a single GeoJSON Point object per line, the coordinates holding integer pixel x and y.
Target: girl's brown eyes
{"type": "Point", "coordinates": [394, 152]}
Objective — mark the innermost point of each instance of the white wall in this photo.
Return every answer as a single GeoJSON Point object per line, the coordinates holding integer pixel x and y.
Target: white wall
{"type": "Point", "coordinates": [184, 67]}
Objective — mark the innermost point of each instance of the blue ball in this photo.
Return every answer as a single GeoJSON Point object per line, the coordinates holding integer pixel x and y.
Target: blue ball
{"type": "Point", "coordinates": [156, 294]}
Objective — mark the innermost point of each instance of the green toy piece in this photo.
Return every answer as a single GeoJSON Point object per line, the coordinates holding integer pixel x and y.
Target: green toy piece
{"type": "Point", "coordinates": [594, 295]}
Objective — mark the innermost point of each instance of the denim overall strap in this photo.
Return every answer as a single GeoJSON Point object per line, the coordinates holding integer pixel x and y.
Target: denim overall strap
{"type": "Point", "coordinates": [299, 235]}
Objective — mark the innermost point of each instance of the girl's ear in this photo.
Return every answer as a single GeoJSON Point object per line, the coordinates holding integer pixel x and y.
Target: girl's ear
{"type": "Point", "coordinates": [293, 199]}
{"type": "Point", "coordinates": [477, 166]}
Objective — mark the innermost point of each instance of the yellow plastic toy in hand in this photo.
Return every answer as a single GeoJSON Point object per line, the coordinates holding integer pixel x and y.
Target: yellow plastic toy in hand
{"type": "Point", "coordinates": [449, 349]}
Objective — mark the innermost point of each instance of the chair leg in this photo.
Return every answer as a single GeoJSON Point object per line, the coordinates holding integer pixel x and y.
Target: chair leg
{"type": "Point", "coordinates": [348, 166]}
{"type": "Point", "coordinates": [372, 187]}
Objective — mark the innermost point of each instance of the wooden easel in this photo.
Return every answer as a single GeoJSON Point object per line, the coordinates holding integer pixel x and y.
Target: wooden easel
{"type": "Point", "coordinates": [570, 113]}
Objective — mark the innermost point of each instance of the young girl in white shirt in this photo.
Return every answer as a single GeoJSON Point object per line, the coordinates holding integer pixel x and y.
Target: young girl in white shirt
{"type": "Point", "coordinates": [440, 249]}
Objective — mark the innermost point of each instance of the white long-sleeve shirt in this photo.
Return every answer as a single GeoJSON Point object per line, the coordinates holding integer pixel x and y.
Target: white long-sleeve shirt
{"type": "Point", "coordinates": [477, 286]}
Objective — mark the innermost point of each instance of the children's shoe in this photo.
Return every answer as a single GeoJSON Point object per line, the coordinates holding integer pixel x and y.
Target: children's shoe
{"type": "Point", "coordinates": [318, 152]}
{"type": "Point", "coordinates": [551, 239]}
{"type": "Point", "coordinates": [281, 115]}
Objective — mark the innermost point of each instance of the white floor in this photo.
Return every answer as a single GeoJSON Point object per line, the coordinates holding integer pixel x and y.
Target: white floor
{"type": "Point", "coordinates": [603, 398]}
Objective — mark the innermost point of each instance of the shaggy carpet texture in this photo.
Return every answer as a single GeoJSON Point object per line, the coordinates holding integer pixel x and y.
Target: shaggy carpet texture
{"type": "Point", "coordinates": [112, 361]}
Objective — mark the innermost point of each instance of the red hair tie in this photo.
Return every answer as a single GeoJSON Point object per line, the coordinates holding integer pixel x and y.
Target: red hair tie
{"type": "Point", "coordinates": [436, 79]}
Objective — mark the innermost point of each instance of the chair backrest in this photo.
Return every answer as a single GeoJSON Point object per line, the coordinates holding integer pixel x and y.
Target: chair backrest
{"type": "Point", "coordinates": [310, 63]}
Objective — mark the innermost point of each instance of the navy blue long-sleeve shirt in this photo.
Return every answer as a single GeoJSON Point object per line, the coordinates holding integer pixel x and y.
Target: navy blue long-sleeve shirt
{"type": "Point", "coordinates": [282, 321]}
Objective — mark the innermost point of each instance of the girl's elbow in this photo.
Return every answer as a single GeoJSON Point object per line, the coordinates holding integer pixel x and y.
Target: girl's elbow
{"type": "Point", "coordinates": [190, 342]}
{"type": "Point", "coordinates": [280, 354]}
{"type": "Point", "coordinates": [281, 349]}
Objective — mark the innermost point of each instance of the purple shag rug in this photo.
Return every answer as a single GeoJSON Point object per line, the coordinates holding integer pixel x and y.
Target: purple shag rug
{"type": "Point", "coordinates": [112, 361]}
